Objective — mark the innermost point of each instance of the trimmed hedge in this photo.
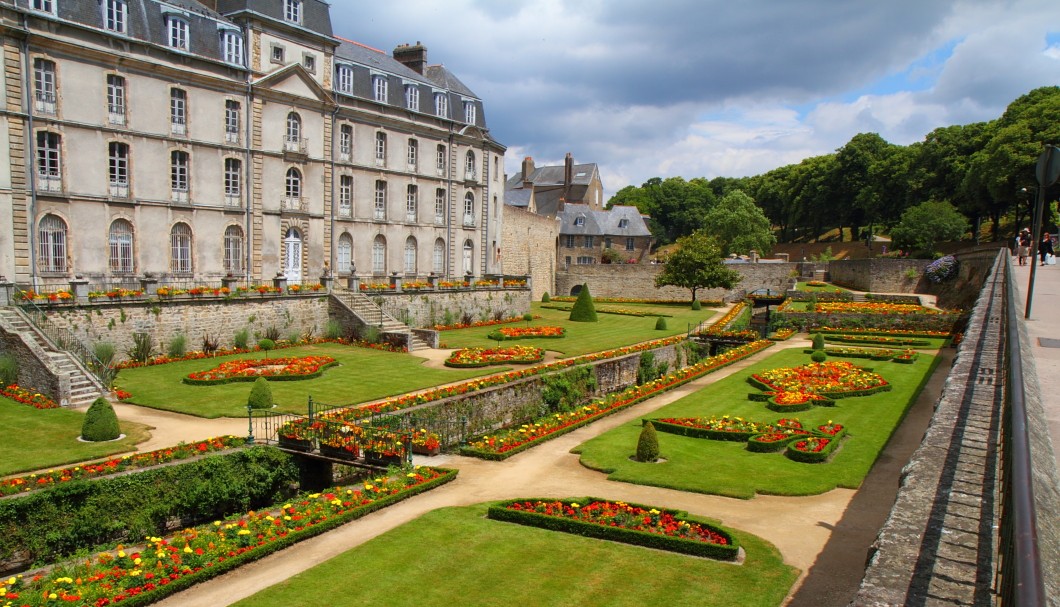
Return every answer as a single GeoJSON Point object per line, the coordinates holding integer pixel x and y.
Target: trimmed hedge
{"type": "Point", "coordinates": [728, 552]}
{"type": "Point", "coordinates": [691, 432]}
{"type": "Point", "coordinates": [100, 423]}
{"type": "Point", "coordinates": [250, 378]}
{"type": "Point", "coordinates": [583, 310]}
{"type": "Point", "coordinates": [882, 340]}
{"type": "Point", "coordinates": [760, 446]}
{"type": "Point", "coordinates": [77, 515]}
{"type": "Point", "coordinates": [812, 458]}
{"type": "Point", "coordinates": [647, 444]}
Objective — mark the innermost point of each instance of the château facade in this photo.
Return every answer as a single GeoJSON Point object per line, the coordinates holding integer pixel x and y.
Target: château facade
{"type": "Point", "coordinates": [233, 138]}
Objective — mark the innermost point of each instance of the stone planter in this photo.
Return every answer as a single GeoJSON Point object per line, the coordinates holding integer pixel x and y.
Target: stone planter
{"type": "Point", "coordinates": [424, 450]}
{"type": "Point", "coordinates": [296, 444]}
{"type": "Point", "coordinates": [374, 458]}
{"type": "Point", "coordinates": [339, 452]}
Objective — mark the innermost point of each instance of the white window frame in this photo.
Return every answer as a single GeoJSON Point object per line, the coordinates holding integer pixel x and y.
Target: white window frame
{"type": "Point", "coordinates": [439, 206]}
{"type": "Point", "coordinates": [413, 152]}
{"type": "Point", "coordinates": [441, 104]}
{"type": "Point", "coordinates": [234, 245]}
{"type": "Point", "coordinates": [179, 174]}
{"type": "Point", "coordinates": [45, 89]}
{"type": "Point", "coordinates": [570, 241]}
{"type": "Point", "coordinates": [379, 212]}
{"type": "Point", "coordinates": [412, 203]}
{"type": "Point", "coordinates": [345, 142]}
{"type": "Point", "coordinates": [116, 16]}
{"type": "Point", "coordinates": [344, 254]}
{"type": "Point", "coordinates": [44, 6]}
{"type": "Point", "coordinates": [232, 49]}
{"type": "Point", "coordinates": [233, 178]}
{"type": "Point", "coordinates": [292, 11]}
{"type": "Point", "coordinates": [118, 156]}
{"type": "Point", "coordinates": [439, 256]}
{"type": "Point", "coordinates": [380, 148]}
{"type": "Point", "coordinates": [49, 161]}
{"type": "Point", "coordinates": [412, 97]}
{"type": "Point", "coordinates": [277, 53]}
{"type": "Point", "coordinates": [579, 221]}
{"type": "Point", "coordinates": [180, 249]}
{"type": "Point", "coordinates": [588, 241]}
{"type": "Point", "coordinates": [309, 62]}
{"type": "Point", "coordinates": [623, 223]}
{"type": "Point", "coordinates": [441, 155]}
{"type": "Point", "coordinates": [345, 195]}
{"type": "Point", "coordinates": [233, 115]}
{"type": "Point", "coordinates": [380, 88]}
{"type": "Point", "coordinates": [379, 255]}
{"type": "Point", "coordinates": [470, 112]}
{"type": "Point", "coordinates": [410, 255]}
{"type": "Point", "coordinates": [178, 32]}
{"type": "Point", "coordinates": [344, 79]}
{"type": "Point", "coordinates": [178, 111]}
{"type": "Point", "coordinates": [292, 185]}
{"type": "Point", "coordinates": [122, 247]}
{"type": "Point", "coordinates": [116, 105]}
{"type": "Point", "coordinates": [469, 209]}
{"type": "Point", "coordinates": [470, 172]}
{"type": "Point", "coordinates": [630, 244]}
{"type": "Point", "coordinates": [51, 239]}
{"type": "Point", "coordinates": [586, 260]}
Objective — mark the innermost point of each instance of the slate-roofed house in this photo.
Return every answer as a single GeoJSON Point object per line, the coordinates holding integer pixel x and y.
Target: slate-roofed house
{"type": "Point", "coordinates": [196, 140]}
{"type": "Point", "coordinates": [588, 236]}
{"type": "Point", "coordinates": [544, 190]}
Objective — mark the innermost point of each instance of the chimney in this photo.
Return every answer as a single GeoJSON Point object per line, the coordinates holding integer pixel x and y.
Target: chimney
{"type": "Point", "coordinates": [568, 174]}
{"type": "Point", "coordinates": [414, 56]}
{"type": "Point", "coordinates": [528, 169]}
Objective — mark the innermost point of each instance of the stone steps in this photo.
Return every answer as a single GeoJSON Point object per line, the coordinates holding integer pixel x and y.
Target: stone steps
{"type": "Point", "coordinates": [372, 315]}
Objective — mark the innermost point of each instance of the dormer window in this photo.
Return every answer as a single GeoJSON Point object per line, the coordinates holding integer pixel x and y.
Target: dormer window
{"type": "Point", "coordinates": [292, 11]}
{"type": "Point", "coordinates": [441, 105]}
{"type": "Point", "coordinates": [177, 32]}
{"type": "Point", "coordinates": [232, 47]}
{"type": "Point", "coordinates": [45, 6]}
{"type": "Point", "coordinates": [115, 15]}
{"type": "Point", "coordinates": [470, 112]}
{"type": "Point", "coordinates": [309, 62]}
{"type": "Point", "coordinates": [623, 223]}
{"type": "Point", "coordinates": [344, 79]}
{"type": "Point", "coordinates": [380, 87]}
{"type": "Point", "coordinates": [412, 97]}
{"type": "Point", "coordinates": [579, 221]}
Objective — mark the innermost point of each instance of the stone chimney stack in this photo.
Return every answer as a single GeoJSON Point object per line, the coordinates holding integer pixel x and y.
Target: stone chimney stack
{"type": "Point", "coordinates": [528, 169]}
{"type": "Point", "coordinates": [414, 56]}
{"type": "Point", "coordinates": [568, 175]}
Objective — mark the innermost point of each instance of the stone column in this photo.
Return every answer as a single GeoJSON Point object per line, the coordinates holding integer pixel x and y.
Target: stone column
{"type": "Point", "coordinates": [395, 282]}
{"type": "Point", "coordinates": [280, 282]}
{"type": "Point", "coordinates": [231, 283]}
{"type": "Point", "coordinates": [79, 289]}
{"type": "Point", "coordinates": [353, 283]}
{"type": "Point", "coordinates": [7, 290]}
{"type": "Point", "coordinates": [326, 281]}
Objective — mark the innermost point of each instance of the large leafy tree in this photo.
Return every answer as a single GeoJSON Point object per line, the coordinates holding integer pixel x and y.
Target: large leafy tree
{"type": "Point", "coordinates": [739, 225]}
{"type": "Point", "coordinates": [927, 224]}
{"type": "Point", "coordinates": [696, 264]}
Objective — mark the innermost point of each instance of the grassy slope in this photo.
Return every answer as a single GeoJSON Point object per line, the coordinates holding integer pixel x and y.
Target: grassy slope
{"type": "Point", "coordinates": [457, 552]}
{"type": "Point", "coordinates": [727, 468]}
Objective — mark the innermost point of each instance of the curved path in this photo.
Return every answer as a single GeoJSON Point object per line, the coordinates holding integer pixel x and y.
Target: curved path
{"type": "Point", "coordinates": [803, 528]}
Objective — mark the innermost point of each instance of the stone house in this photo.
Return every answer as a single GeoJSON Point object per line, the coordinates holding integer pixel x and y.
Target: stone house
{"type": "Point", "coordinates": [587, 236]}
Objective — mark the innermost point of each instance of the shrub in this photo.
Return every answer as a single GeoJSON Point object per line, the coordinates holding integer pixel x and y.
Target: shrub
{"type": "Point", "coordinates": [266, 345]}
{"type": "Point", "coordinates": [178, 346]}
{"type": "Point", "coordinates": [660, 325]}
{"type": "Point", "coordinates": [104, 352]}
{"type": "Point", "coordinates": [8, 370]}
{"type": "Point", "coordinates": [528, 317]}
{"type": "Point", "coordinates": [696, 305]}
{"type": "Point", "coordinates": [101, 424]}
{"type": "Point", "coordinates": [272, 333]}
{"type": "Point", "coordinates": [142, 349]}
{"type": "Point", "coordinates": [545, 298]}
{"type": "Point", "coordinates": [647, 444]}
{"type": "Point", "coordinates": [371, 334]}
{"type": "Point", "coordinates": [583, 310]}
{"type": "Point", "coordinates": [241, 339]}
{"type": "Point", "coordinates": [260, 395]}
{"type": "Point", "coordinates": [818, 356]}
{"type": "Point", "coordinates": [818, 341]}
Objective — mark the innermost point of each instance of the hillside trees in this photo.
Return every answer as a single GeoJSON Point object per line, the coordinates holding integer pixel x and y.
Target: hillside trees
{"type": "Point", "coordinates": [739, 225]}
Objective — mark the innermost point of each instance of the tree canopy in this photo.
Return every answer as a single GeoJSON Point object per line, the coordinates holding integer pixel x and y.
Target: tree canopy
{"type": "Point", "coordinates": [739, 225]}
{"type": "Point", "coordinates": [697, 264]}
{"type": "Point", "coordinates": [927, 224]}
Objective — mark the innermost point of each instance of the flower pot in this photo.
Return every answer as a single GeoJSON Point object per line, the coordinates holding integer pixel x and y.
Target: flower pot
{"type": "Point", "coordinates": [339, 452]}
{"type": "Point", "coordinates": [296, 444]}
{"type": "Point", "coordinates": [374, 458]}
{"type": "Point", "coordinates": [424, 450]}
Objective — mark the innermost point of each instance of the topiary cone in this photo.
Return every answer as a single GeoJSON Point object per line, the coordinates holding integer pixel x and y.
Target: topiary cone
{"type": "Point", "coordinates": [101, 423]}
{"type": "Point", "coordinates": [260, 395]}
{"type": "Point", "coordinates": [818, 341]}
{"type": "Point", "coordinates": [660, 325]}
{"type": "Point", "coordinates": [647, 444]}
{"type": "Point", "coordinates": [583, 310]}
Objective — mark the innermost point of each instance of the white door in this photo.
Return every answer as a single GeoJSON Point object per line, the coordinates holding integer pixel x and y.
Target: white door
{"type": "Point", "coordinates": [292, 255]}
{"type": "Point", "coordinates": [468, 248]}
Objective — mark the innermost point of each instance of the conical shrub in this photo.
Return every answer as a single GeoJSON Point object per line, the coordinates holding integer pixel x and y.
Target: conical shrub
{"type": "Point", "coordinates": [818, 341]}
{"type": "Point", "coordinates": [696, 305]}
{"type": "Point", "coordinates": [583, 310]}
{"type": "Point", "coordinates": [545, 298]}
{"type": "Point", "coordinates": [260, 394]}
{"type": "Point", "coordinates": [647, 444]}
{"type": "Point", "coordinates": [101, 423]}
{"type": "Point", "coordinates": [660, 325]}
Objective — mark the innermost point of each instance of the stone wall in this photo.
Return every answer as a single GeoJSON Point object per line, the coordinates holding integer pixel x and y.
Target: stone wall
{"type": "Point", "coordinates": [878, 274]}
{"type": "Point", "coordinates": [528, 246]}
{"type": "Point", "coordinates": [35, 370]}
{"type": "Point", "coordinates": [427, 310]}
{"type": "Point", "coordinates": [637, 281]}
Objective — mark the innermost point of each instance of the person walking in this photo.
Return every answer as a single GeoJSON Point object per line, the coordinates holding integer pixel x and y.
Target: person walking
{"type": "Point", "coordinates": [1025, 245]}
{"type": "Point", "coordinates": [1045, 247]}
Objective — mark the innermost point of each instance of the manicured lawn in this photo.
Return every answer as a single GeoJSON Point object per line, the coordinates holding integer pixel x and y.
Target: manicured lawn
{"type": "Point", "coordinates": [728, 468]}
{"type": "Point", "coordinates": [611, 330]}
{"type": "Point", "coordinates": [827, 288]}
{"type": "Point", "coordinates": [38, 439]}
{"type": "Point", "coordinates": [455, 556]}
{"type": "Point", "coordinates": [362, 375]}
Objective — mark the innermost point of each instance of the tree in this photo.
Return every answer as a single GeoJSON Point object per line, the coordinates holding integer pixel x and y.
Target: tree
{"type": "Point", "coordinates": [647, 444]}
{"type": "Point", "coordinates": [929, 223]}
{"type": "Point", "coordinates": [696, 264]}
{"type": "Point", "coordinates": [260, 394]}
{"type": "Point", "coordinates": [583, 309]}
{"type": "Point", "coordinates": [100, 423]}
{"type": "Point", "coordinates": [739, 225]}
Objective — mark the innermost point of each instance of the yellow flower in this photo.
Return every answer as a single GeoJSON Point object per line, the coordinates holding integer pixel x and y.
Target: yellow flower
{"type": "Point", "coordinates": [187, 549]}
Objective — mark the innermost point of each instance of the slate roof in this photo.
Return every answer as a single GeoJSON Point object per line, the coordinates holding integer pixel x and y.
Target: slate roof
{"type": "Point", "coordinates": [316, 15]}
{"type": "Point", "coordinates": [518, 198]}
{"type": "Point", "coordinates": [553, 175]}
{"type": "Point", "coordinates": [602, 223]}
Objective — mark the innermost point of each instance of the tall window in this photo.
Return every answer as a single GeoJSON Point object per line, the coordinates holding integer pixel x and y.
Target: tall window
{"type": "Point", "coordinates": [178, 111]}
{"type": "Point", "coordinates": [570, 241]}
{"type": "Point", "coordinates": [629, 243]}
{"type": "Point", "coordinates": [120, 241]}
{"type": "Point", "coordinates": [410, 255]}
{"type": "Point", "coordinates": [115, 99]}
{"type": "Point", "coordinates": [345, 195]}
{"type": "Point", "coordinates": [233, 254]}
{"type": "Point", "coordinates": [44, 96]}
{"type": "Point", "coordinates": [380, 88]}
{"type": "Point", "coordinates": [439, 206]}
{"type": "Point", "coordinates": [293, 137]}
{"type": "Point", "coordinates": [232, 46]}
{"type": "Point", "coordinates": [180, 249]}
{"type": "Point", "coordinates": [380, 149]}
{"type": "Point", "coordinates": [115, 15]}
{"type": "Point", "coordinates": [469, 209]}
{"type": "Point", "coordinates": [588, 242]}
{"type": "Point", "coordinates": [469, 112]}
{"type": "Point", "coordinates": [412, 97]}
{"type": "Point", "coordinates": [232, 112]}
{"type": "Point", "coordinates": [469, 257]}
{"type": "Point", "coordinates": [293, 186]}
{"type": "Point", "coordinates": [47, 6]}
{"type": "Point", "coordinates": [411, 202]}
{"type": "Point", "coordinates": [469, 165]}
{"type": "Point", "coordinates": [345, 142]}
{"type": "Point", "coordinates": [379, 255]}
{"type": "Point", "coordinates": [441, 105]}
{"type": "Point", "coordinates": [439, 256]}
{"type": "Point", "coordinates": [118, 168]}
{"type": "Point", "coordinates": [177, 33]}
{"type": "Point", "coordinates": [292, 10]}
{"type": "Point", "coordinates": [439, 159]}
{"type": "Point", "coordinates": [344, 79]}
{"type": "Point", "coordinates": [49, 166]}
{"type": "Point", "coordinates": [51, 234]}
{"type": "Point", "coordinates": [178, 174]}
{"type": "Point", "coordinates": [380, 200]}
{"type": "Point", "coordinates": [344, 254]}
{"type": "Point", "coordinates": [233, 182]}
{"type": "Point", "coordinates": [413, 152]}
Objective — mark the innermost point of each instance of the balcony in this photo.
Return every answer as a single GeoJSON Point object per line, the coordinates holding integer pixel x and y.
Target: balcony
{"type": "Point", "coordinates": [345, 210]}
{"type": "Point", "coordinates": [119, 190]}
{"type": "Point", "coordinates": [116, 115]}
{"type": "Point", "coordinates": [345, 155]}
{"type": "Point", "coordinates": [295, 148]}
{"type": "Point", "coordinates": [49, 183]}
{"type": "Point", "coordinates": [231, 136]}
{"type": "Point", "coordinates": [297, 204]}
{"type": "Point", "coordinates": [410, 218]}
{"type": "Point", "coordinates": [44, 102]}
{"type": "Point", "coordinates": [380, 215]}
{"type": "Point", "coordinates": [469, 221]}
{"type": "Point", "coordinates": [470, 176]}
{"type": "Point", "coordinates": [439, 220]}
{"type": "Point", "coordinates": [233, 201]}
{"type": "Point", "coordinates": [179, 196]}
{"type": "Point", "coordinates": [178, 126]}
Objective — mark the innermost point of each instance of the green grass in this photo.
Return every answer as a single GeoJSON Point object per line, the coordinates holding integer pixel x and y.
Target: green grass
{"type": "Point", "coordinates": [611, 330]}
{"type": "Point", "coordinates": [456, 556]}
{"type": "Point", "coordinates": [38, 439]}
{"type": "Point", "coordinates": [727, 468]}
{"type": "Point", "coordinates": [828, 288]}
{"type": "Point", "coordinates": [362, 375]}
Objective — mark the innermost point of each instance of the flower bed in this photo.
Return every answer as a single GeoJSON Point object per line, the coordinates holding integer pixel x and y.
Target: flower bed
{"type": "Point", "coordinates": [904, 332]}
{"type": "Point", "coordinates": [724, 428]}
{"type": "Point", "coordinates": [782, 334]}
{"type": "Point", "coordinates": [617, 311]}
{"type": "Point", "coordinates": [881, 340]}
{"type": "Point", "coordinates": [662, 529]}
{"type": "Point", "coordinates": [141, 575]}
{"type": "Point", "coordinates": [43, 480]}
{"type": "Point", "coordinates": [838, 379]}
{"type": "Point", "coordinates": [761, 437]}
{"type": "Point", "coordinates": [811, 450]}
{"type": "Point", "coordinates": [274, 369]}
{"type": "Point", "coordinates": [872, 307]}
{"type": "Point", "coordinates": [28, 397]}
{"type": "Point", "coordinates": [505, 443]}
{"type": "Point", "coordinates": [506, 333]}
{"type": "Point", "coordinates": [483, 357]}
{"type": "Point", "coordinates": [891, 354]}
{"type": "Point", "coordinates": [773, 442]}
{"type": "Point", "coordinates": [792, 401]}
{"type": "Point", "coordinates": [481, 323]}
{"type": "Point", "coordinates": [60, 296]}
{"type": "Point", "coordinates": [708, 303]}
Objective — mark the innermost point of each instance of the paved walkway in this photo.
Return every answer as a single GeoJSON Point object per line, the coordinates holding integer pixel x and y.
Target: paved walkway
{"type": "Point", "coordinates": [825, 536]}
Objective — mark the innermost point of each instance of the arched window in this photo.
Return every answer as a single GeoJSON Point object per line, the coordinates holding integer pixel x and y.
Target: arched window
{"type": "Point", "coordinates": [469, 165]}
{"type": "Point", "coordinates": [51, 233]}
{"type": "Point", "coordinates": [293, 189]}
{"type": "Point", "coordinates": [411, 204]}
{"type": "Point", "coordinates": [233, 251]}
{"type": "Point", "coordinates": [293, 138]}
{"type": "Point", "coordinates": [439, 256]}
{"type": "Point", "coordinates": [469, 209]}
{"type": "Point", "coordinates": [292, 255]}
{"type": "Point", "coordinates": [410, 255]}
{"type": "Point", "coordinates": [180, 248]}
{"type": "Point", "coordinates": [120, 241]}
{"type": "Point", "coordinates": [379, 255]}
{"type": "Point", "coordinates": [344, 254]}
{"type": "Point", "coordinates": [469, 257]}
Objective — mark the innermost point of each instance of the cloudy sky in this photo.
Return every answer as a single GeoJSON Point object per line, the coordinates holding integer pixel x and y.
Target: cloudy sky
{"type": "Point", "coordinates": [708, 88]}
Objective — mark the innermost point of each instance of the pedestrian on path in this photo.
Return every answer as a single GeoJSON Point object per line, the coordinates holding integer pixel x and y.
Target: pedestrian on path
{"type": "Point", "coordinates": [1045, 247]}
{"type": "Point", "coordinates": [1025, 245]}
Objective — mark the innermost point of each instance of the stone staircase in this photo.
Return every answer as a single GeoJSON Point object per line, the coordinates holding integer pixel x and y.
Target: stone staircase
{"type": "Point", "coordinates": [371, 314]}
{"type": "Point", "coordinates": [84, 388]}
{"type": "Point", "coordinates": [858, 296]}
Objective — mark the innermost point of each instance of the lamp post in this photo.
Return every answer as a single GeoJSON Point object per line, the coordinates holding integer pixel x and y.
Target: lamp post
{"type": "Point", "coordinates": [250, 424]}
{"type": "Point", "coordinates": [1047, 172]}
